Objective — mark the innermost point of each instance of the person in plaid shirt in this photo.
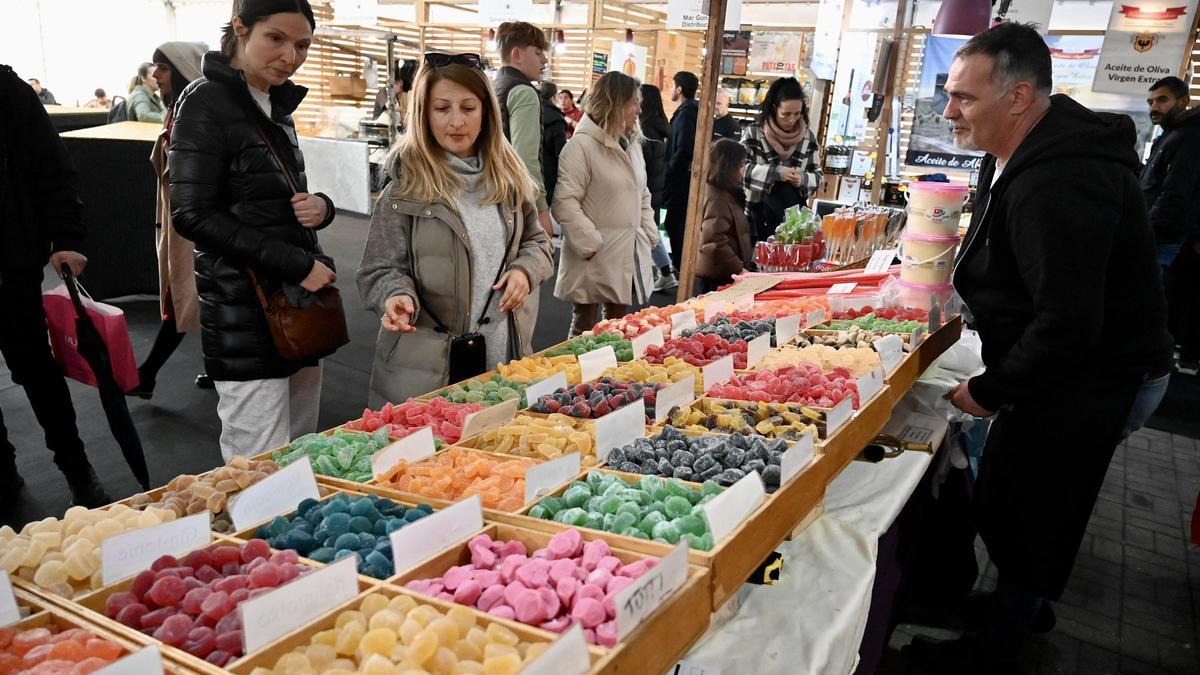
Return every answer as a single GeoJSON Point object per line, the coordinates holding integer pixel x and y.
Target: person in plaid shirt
{"type": "Point", "coordinates": [784, 166]}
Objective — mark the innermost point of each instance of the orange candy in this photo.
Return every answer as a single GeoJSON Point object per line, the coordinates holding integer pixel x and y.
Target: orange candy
{"type": "Point", "coordinates": [51, 651]}
{"type": "Point", "coordinates": [89, 665]}
{"type": "Point", "coordinates": [457, 473]}
{"type": "Point", "coordinates": [101, 649]}
{"type": "Point", "coordinates": [26, 640]}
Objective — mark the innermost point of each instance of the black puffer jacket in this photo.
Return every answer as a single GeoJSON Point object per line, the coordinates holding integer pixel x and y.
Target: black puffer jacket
{"type": "Point", "coordinates": [655, 153]}
{"type": "Point", "coordinates": [230, 197]}
{"type": "Point", "coordinates": [1171, 181]}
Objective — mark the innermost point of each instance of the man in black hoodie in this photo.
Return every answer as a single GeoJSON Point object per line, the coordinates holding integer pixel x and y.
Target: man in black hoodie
{"type": "Point", "coordinates": [1059, 277]}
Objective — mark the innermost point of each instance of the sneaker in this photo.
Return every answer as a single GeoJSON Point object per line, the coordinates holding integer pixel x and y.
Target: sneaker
{"type": "Point", "coordinates": [666, 282]}
{"type": "Point", "coordinates": [86, 489]}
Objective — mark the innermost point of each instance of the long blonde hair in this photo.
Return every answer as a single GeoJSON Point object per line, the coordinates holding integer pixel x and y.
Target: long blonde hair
{"type": "Point", "coordinates": [606, 104]}
{"type": "Point", "coordinates": [418, 164]}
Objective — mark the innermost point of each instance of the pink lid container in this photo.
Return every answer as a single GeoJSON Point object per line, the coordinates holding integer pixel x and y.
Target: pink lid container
{"type": "Point", "coordinates": [941, 188]}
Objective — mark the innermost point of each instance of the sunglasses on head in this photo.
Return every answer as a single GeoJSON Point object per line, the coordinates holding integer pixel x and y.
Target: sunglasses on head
{"type": "Point", "coordinates": [441, 60]}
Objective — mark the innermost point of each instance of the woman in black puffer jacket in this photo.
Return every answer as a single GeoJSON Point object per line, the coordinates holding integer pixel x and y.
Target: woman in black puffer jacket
{"type": "Point", "coordinates": [230, 196]}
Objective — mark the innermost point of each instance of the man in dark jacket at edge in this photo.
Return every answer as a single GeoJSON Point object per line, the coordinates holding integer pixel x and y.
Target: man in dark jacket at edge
{"type": "Point", "coordinates": [1058, 276]}
{"type": "Point", "coordinates": [40, 222]}
{"type": "Point", "coordinates": [680, 148]}
{"type": "Point", "coordinates": [554, 136]}
{"type": "Point", "coordinates": [1171, 185]}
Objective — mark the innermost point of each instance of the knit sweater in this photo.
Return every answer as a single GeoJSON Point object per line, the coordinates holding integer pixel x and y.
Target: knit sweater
{"type": "Point", "coordinates": [487, 239]}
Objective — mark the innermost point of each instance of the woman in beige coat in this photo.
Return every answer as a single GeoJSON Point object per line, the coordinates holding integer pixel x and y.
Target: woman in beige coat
{"type": "Point", "coordinates": [176, 64]}
{"type": "Point", "coordinates": [455, 245]}
{"type": "Point", "coordinates": [602, 203]}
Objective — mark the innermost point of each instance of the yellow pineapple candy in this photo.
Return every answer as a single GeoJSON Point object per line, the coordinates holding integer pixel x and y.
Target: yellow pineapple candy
{"type": "Point", "coordinates": [444, 662]}
{"type": "Point", "coordinates": [462, 616]}
{"type": "Point", "coordinates": [402, 604]}
{"type": "Point", "coordinates": [470, 668]}
{"type": "Point", "coordinates": [350, 616]}
{"type": "Point", "coordinates": [423, 647]}
{"type": "Point", "coordinates": [373, 603]}
{"type": "Point", "coordinates": [509, 664]}
{"type": "Point", "coordinates": [319, 655]}
{"type": "Point", "coordinates": [535, 650]}
{"type": "Point", "coordinates": [326, 637]}
{"type": "Point", "coordinates": [446, 629]}
{"type": "Point", "coordinates": [409, 630]}
{"type": "Point", "coordinates": [465, 650]}
{"type": "Point", "coordinates": [292, 662]}
{"type": "Point", "coordinates": [348, 638]}
{"type": "Point", "coordinates": [378, 641]}
{"type": "Point", "coordinates": [386, 618]}
{"type": "Point", "coordinates": [501, 635]}
{"type": "Point", "coordinates": [378, 665]}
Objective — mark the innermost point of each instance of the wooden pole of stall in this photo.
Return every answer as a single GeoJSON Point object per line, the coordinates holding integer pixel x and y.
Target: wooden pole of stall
{"type": "Point", "coordinates": [707, 97]}
{"type": "Point", "coordinates": [886, 132]}
{"type": "Point", "coordinates": [1193, 43]}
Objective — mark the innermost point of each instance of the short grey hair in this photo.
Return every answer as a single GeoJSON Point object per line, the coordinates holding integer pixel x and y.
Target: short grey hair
{"type": "Point", "coordinates": [1019, 54]}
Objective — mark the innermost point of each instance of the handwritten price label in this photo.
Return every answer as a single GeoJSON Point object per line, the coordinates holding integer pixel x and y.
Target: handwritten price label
{"type": "Point", "coordinates": [638, 600]}
{"type": "Point", "coordinates": [547, 386]}
{"type": "Point", "coordinates": [654, 336]}
{"type": "Point", "coordinates": [9, 612]}
{"type": "Point", "coordinates": [681, 321]}
{"type": "Point", "coordinates": [274, 495]}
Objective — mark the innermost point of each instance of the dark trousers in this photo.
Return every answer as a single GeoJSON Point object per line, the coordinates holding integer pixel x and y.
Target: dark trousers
{"type": "Point", "coordinates": [1183, 301]}
{"type": "Point", "coordinates": [675, 223]}
{"type": "Point", "coordinates": [26, 350]}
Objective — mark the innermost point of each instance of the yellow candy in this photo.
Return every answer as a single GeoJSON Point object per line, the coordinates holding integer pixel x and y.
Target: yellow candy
{"type": "Point", "coordinates": [408, 631]}
{"type": "Point", "coordinates": [423, 646]}
{"type": "Point", "coordinates": [378, 665]}
{"type": "Point", "coordinates": [470, 668]}
{"type": "Point", "coordinates": [348, 638]}
{"type": "Point", "coordinates": [446, 630]}
{"type": "Point", "coordinates": [378, 641]}
{"type": "Point", "coordinates": [386, 618]}
{"type": "Point", "coordinates": [542, 438]}
{"type": "Point", "coordinates": [402, 604]}
{"type": "Point", "coordinates": [320, 656]}
{"type": "Point", "coordinates": [349, 616]}
{"type": "Point", "coordinates": [444, 662]}
{"type": "Point", "coordinates": [373, 603]}
{"type": "Point", "coordinates": [671, 370]}
{"type": "Point", "coordinates": [500, 634]}
{"type": "Point", "coordinates": [508, 664]}
{"type": "Point", "coordinates": [857, 360]}
{"type": "Point", "coordinates": [534, 368]}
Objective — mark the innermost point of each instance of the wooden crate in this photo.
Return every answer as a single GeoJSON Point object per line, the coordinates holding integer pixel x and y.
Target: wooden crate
{"type": "Point", "coordinates": [923, 355]}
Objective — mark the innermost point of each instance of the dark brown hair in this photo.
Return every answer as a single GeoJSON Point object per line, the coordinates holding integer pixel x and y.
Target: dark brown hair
{"type": "Point", "coordinates": [724, 164]}
{"type": "Point", "coordinates": [253, 11]}
{"type": "Point", "coordinates": [516, 35]}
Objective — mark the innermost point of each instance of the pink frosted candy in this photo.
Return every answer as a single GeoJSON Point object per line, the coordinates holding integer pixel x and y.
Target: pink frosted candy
{"type": "Point", "coordinates": [566, 589]}
{"type": "Point", "coordinates": [606, 634]}
{"type": "Point", "coordinates": [634, 570]}
{"type": "Point", "coordinates": [482, 556]}
{"type": "Point", "coordinates": [445, 596]}
{"type": "Point", "coordinates": [600, 577]}
{"type": "Point", "coordinates": [617, 584]}
{"type": "Point", "coordinates": [566, 544]}
{"type": "Point", "coordinates": [534, 573]}
{"type": "Point", "coordinates": [550, 600]}
{"type": "Point", "coordinates": [511, 591]}
{"type": "Point", "coordinates": [529, 608]}
{"type": "Point", "coordinates": [503, 611]}
{"type": "Point", "coordinates": [507, 548]}
{"type": "Point", "coordinates": [542, 554]}
{"type": "Point", "coordinates": [437, 588]}
{"type": "Point", "coordinates": [419, 585]}
{"type": "Point", "coordinates": [593, 551]}
{"type": "Point", "coordinates": [560, 569]}
{"type": "Point", "coordinates": [556, 625]}
{"type": "Point", "coordinates": [508, 568]}
{"type": "Point", "coordinates": [588, 612]}
{"type": "Point", "coordinates": [467, 592]}
{"type": "Point", "coordinates": [610, 563]}
{"type": "Point", "coordinates": [489, 597]}
{"type": "Point", "coordinates": [487, 577]}
{"type": "Point", "coordinates": [589, 635]}
{"type": "Point", "coordinates": [650, 563]}
{"type": "Point", "coordinates": [589, 591]}
{"type": "Point", "coordinates": [454, 577]}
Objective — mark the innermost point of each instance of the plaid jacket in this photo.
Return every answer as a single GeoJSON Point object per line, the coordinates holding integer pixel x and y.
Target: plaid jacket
{"type": "Point", "coordinates": [764, 163]}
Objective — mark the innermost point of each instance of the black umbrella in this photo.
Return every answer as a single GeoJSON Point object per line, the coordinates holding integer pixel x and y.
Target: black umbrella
{"type": "Point", "coordinates": [95, 352]}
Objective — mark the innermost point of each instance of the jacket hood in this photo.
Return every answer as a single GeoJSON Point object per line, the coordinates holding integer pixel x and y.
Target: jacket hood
{"type": "Point", "coordinates": [588, 127]}
{"type": "Point", "coordinates": [185, 58]}
{"type": "Point", "coordinates": [1070, 130]}
{"type": "Point", "coordinates": [285, 98]}
{"type": "Point", "coordinates": [1187, 118]}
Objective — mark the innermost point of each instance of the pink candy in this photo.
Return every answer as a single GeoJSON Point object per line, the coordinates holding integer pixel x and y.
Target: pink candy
{"type": "Point", "coordinates": [568, 581]}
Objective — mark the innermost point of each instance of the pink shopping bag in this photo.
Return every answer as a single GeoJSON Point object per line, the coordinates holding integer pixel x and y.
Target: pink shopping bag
{"type": "Point", "coordinates": [109, 322]}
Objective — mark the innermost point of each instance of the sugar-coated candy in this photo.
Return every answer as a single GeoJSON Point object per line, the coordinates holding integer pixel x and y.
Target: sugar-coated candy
{"type": "Point", "coordinates": [732, 328]}
{"type": "Point", "coordinates": [344, 454]}
{"type": "Point", "coordinates": [540, 438]}
{"type": "Point", "coordinates": [699, 458]}
{"type": "Point", "coordinates": [587, 343]}
{"type": "Point", "coordinates": [592, 400]}
{"type": "Point", "coordinates": [633, 325]}
{"type": "Point", "coordinates": [49, 649]}
{"type": "Point", "coordinates": [402, 419]}
{"type": "Point", "coordinates": [773, 420]}
{"type": "Point", "coordinates": [670, 370]}
{"type": "Point", "coordinates": [189, 495]}
{"type": "Point", "coordinates": [532, 369]}
{"type": "Point", "coordinates": [490, 391]}
{"type": "Point", "coordinates": [885, 313]}
{"type": "Point", "coordinates": [871, 321]}
{"type": "Point", "coordinates": [803, 383]}
{"type": "Point", "coordinates": [457, 473]}
{"type": "Point", "coordinates": [699, 350]}
{"type": "Point", "coordinates": [858, 360]}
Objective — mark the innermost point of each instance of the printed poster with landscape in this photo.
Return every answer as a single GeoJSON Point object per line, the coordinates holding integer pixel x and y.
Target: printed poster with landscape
{"type": "Point", "coordinates": [1075, 59]}
{"type": "Point", "coordinates": [931, 143]}
{"type": "Point", "coordinates": [1145, 41]}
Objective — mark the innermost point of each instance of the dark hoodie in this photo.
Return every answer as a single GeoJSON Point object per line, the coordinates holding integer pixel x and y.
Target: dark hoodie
{"type": "Point", "coordinates": [1058, 269]}
{"type": "Point", "coordinates": [1171, 180]}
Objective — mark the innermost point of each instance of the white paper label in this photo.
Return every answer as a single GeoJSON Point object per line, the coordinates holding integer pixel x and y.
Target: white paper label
{"type": "Point", "coordinates": [881, 261]}
{"type": "Point", "coordinates": [489, 418]}
{"type": "Point", "coordinates": [9, 611]}
{"type": "Point", "coordinates": [547, 386]}
{"type": "Point", "coordinates": [743, 303]}
{"type": "Point", "coordinates": [492, 13]}
{"type": "Point", "coordinates": [676, 395]}
{"type": "Point", "coordinates": [729, 509]}
{"type": "Point", "coordinates": [126, 554]}
{"type": "Point", "coordinates": [681, 321]}
{"type": "Point", "coordinates": [145, 661]}
{"type": "Point", "coordinates": [654, 336]}
{"type": "Point", "coordinates": [274, 495]}
{"type": "Point", "coordinates": [593, 364]}
{"type": "Point", "coordinates": [540, 479]}
{"type": "Point", "coordinates": [418, 541]}
{"type": "Point", "coordinates": [891, 352]}
{"type": "Point", "coordinates": [693, 668]}
{"type": "Point", "coordinates": [412, 448]}
{"type": "Point", "coordinates": [786, 328]}
{"type": "Point", "coordinates": [638, 600]}
{"type": "Point", "coordinates": [757, 348]}
{"type": "Point", "coordinates": [567, 655]}
{"type": "Point", "coordinates": [840, 289]}
{"type": "Point", "coordinates": [714, 307]}
{"type": "Point", "coordinates": [838, 416]}
{"type": "Point", "coordinates": [869, 385]}
{"type": "Point", "coordinates": [815, 318]}
{"type": "Point", "coordinates": [916, 337]}
{"type": "Point", "coordinates": [620, 427]}
{"type": "Point", "coordinates": [272, 615]}
{"type": "Point", "coordinates": [717, 372]}
{"type": "Point", "coordinates": [918, 429]}
{"type": "Point", "coordinates": [795, 459]}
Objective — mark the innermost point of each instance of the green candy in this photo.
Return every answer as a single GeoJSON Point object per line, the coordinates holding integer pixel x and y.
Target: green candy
{"type": "Point", "coordinates": [540, 512]}
{"type": "Point", "coordinates": [677, 506]}
{"type": "Point", "coordinates": [690, 524]}
{"type": "Point", "coordinates": [577, 496]}
{"type": "Point", "coordinates": [488, 392]}
{"type": "Point", "coordinates": [346, 454]}
{"type": "Point", "coordinates": [650, 520]}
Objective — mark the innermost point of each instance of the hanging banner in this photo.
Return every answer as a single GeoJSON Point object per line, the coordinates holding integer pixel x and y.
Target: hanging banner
{"type": "Point", "coordinates": [630, 59]}
{"type": "Point", "coordinates": [826, 38]}
{"type": "Point", "coordinates": [1073, 60]}
{"type": "Point", "coordinates": [492, 13]}
{"type": "Point", "coordinates": [931, 142]}
{"type": "Point", "coordinates": [693, 14]}
{"type": "Point", "coordinates": [1144, 43]}
{"type": "Point", "coordinates": [735, 52]}
{"type": "Point", "coordinates": [772, 52]}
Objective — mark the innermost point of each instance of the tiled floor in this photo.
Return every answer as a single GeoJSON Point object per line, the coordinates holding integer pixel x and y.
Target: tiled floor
{"type": "Point", "coordinates": [1133, 602]}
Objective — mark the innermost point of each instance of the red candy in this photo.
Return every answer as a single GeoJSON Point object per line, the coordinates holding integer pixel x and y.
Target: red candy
{"type": "Point", "coordinates": [699, 350]}
{"type": "Point", "coordinates": [167, 590]}
{"type": "Point", "coordinates": [445, 417]}
{"type": "Point", "coordinates": [890, 313]}
{"type": "Point", "coordinates": [803, 383]}
{"type": "Point", "coordinates": [592, 400]}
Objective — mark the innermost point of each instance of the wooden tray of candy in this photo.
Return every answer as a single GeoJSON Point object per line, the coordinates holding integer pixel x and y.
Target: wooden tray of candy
{"type": "Point", "coordinates": [91, 608]}
{"type": "Point", "coordinates": [586, 426]}
{"type": "Point", "coordinates": [923, 355]}
{"type": "Point", "coordinates": [792, 407]}
{"type": "Point", "coordinates": [686, 612]}
{"type": "Point", "coordinates": [331, 481]}
{"type": "Point", "coordinates": [732, 560]}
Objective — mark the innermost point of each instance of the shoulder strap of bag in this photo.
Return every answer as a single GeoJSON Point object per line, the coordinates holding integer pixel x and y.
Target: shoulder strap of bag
{"type": "Point", "coordinates": [258, 290]}
{"type": "Point", "coordinates": [287, 174]}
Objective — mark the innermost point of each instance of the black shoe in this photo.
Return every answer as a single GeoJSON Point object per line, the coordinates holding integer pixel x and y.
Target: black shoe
{"type": "Point", "coordinates": [955, 657]}
{"type": "Point", "coordinates": [86, 489]}
{"type": "Point", "coordinates": [144, 389]}
{"type": "Point", "coordinates": [204, 382]}
{"type": "Point", "coordinates": [977, 607]}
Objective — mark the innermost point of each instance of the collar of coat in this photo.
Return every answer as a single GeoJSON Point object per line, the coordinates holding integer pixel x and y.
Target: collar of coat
{"type": "Point", "coordinates": [442, 212]}
{"type": "Point", "coordinates": [285, 98]}
{"type": "Point", "coordinates": [588, 127]}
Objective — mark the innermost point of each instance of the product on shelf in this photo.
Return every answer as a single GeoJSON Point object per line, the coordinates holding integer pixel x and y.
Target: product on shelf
{"type": "Point", "coordinates": [934, 209]}
{"type": "Point", "coordinates": [854, 337]}
{"type": "Point", "coordinates": [670, 370]}
{"type": "Point", "coordinates": [63, 556]}
{"type": "Point", "coordinates": [732, 329]}
{"type": "Point", "coordinates": [592, 400]}
{"type": "Point", "coordinates": [699, 350]}
{"type": "Point", "coordinates": [773, 420]}
{"type": "Point", "coordinates": [445, 417]}
{"type": "Point", "coordinates": [49, 649]}
{"type": "Point", "coordinates": [566, 582]}
{"type": "Point", "coordinates": [456, 473]}
{"type": "Point", "coordinates": [652, 508]}
{"type": "Point", "coordinates": [870, 322]}
{"type": "Point", "coordinates": [633, 325]}
{"type": "Point", "coordinates": [192, 603]}
{"type": "Point", "coordinates": [854, 233]}
{"type": "Point", "coordinates": [540, 438]}
{"type": "Point", "coordinates": [858, 360]}
{"type": "Point", "coordinates": [189, 495]}
{"type": "Point", "coordinates": [722, 459]}
{"type": "Point", "coordinates": [491, 391]}
{"type": "Point", "coordinates": [344, 525]}
{"type": "Point", "coordinates": [397, 635]}
{"type": "Point", "coordinates": [888, 313]}
{"type": "Point", "coordinates": [803, 383]}
{"type": "Point", "coordinates": [342, 454]}
{"type": "Point", "coordinates": [588, 343]}
{"type": "Point", "coordinates": [532, 369]}
{"type": "Point", "coordinates": [927, 260]}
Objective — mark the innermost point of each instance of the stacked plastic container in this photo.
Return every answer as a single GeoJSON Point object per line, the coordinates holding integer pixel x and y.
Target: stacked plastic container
{"type": "Point", "coordinates": [930, 241]}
